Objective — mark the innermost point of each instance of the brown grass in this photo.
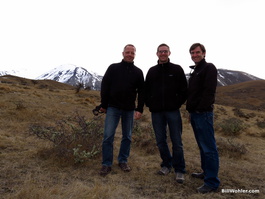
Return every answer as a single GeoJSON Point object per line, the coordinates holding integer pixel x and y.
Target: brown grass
{"type": "Point", "coordinates": [29, 169]}
{"type": "Point", "coordinates": [235, 95]}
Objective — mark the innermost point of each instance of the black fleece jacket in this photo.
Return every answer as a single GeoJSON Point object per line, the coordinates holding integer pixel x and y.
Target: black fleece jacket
{"type": "Point", "coordinates": [165, 87]}
{"type": "Point", "coordinates": [120, 86]}
{"type": "Point", "coordinates": [202, 87]}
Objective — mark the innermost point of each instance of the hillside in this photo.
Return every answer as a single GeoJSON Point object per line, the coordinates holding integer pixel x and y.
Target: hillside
{"type": "Point", "coordinates": [31, 169]}
{"type": "Point", "coordinates": [237, 94]}
{"type": "Point", "coordinates": [48, 84]}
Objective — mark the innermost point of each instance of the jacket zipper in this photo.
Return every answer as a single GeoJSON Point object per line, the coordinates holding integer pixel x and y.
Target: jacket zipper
{"type": "Point", "coordinates": [163, 87]}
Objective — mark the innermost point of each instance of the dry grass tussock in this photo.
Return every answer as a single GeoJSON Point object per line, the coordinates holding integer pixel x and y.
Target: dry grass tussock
{"type": "Point", "coordinates": [31, 167]}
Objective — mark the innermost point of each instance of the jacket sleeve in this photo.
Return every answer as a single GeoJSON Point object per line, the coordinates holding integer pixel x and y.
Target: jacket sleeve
{"type": "Point", "coordinates": [183, 91]}
{"type": "Point", "coordinates": [140, 93]}
{"type": "Point", "coordinates": [105, 88]}
{"type": "Point", "coordinates": [209, 88]}
{"type": "Point", "coordinates": [147, 89]}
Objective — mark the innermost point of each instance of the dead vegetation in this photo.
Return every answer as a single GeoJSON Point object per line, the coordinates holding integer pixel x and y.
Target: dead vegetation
{"type": "Point", "coordinates": [31, 167]}
{"type": "Point", "coordinates": [236, 95]}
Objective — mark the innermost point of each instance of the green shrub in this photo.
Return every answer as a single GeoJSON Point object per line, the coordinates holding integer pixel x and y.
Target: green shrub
{"type": "Point", "coordinates": [73, 138]}
{"type": "Point", "coordinates": [143, 136]}
{"type": "Point", "coordinates": [231, 126]}
{"type": "Point", "coordinates": [261, 124]}
{"type": "Point", "coordinates": [20, 105]}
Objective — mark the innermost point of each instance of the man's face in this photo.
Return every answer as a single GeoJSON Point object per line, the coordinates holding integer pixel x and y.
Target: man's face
{"type": "Point", "coordinates": [197, 55]}
{"type": "Point", "coordinates": [163, 54]}
{"type": "Point", "coordinates": [128, 54]}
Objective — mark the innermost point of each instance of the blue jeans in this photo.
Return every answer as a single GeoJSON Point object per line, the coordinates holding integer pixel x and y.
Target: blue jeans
{"type": "Point", "coordinates": [202, 124]}
{"type": "Point", "coordinates": [160, 120]}
{"type": "Point", "coordinates": [112, 119]}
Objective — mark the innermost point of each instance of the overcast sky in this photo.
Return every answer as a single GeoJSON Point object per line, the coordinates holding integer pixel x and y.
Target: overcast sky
{"type": "Point", "coordinates": [39, 35]}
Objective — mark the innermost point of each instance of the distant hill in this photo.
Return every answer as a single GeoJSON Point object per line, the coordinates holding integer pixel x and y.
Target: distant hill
{"type": "Point", "coordinates": [68, 74]}
{"type": "Point", "coordinates": [229, 77]}
{"type": "Point", "coordinates": [248, 95]}
{"type": "Point", "coordinates": [42, 84]}
{"type": "Point", "coordinates": [73, 75]}
{"type": "Point", "coordinates": [10, 72]}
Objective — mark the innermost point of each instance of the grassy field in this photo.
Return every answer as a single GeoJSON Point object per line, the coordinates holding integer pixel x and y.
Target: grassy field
{"type": "Point", "coordinates": [33, 168]}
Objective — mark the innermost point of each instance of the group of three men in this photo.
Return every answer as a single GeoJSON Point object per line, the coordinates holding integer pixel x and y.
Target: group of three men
{"type": "Point", "coordinates": [163, 91]}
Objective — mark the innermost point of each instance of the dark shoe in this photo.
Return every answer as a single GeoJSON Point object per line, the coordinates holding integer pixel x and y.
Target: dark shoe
{"type": "Point", "coordinates": [105, 170]}
{"type": "Point", "coordinates": [205, 189]}
{"type": "Point", "coordinates": [198, 175]}
{"type": "Point", "coordinates": [180, 177]}
{"type": "Point", "coordinates": [164, 171]}
{"type": "Point", "coordinates": [125, 167]}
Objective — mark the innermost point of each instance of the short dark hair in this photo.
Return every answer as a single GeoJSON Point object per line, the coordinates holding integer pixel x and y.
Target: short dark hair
{"type": "Point", "coordinates": [162, 45]}
{"type": "Point", "coordinates": [195, 45]}
{"type": "Point", "coordinates": [129, 45]}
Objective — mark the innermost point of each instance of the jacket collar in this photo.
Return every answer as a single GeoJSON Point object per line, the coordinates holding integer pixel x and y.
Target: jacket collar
{"type": "Point", "coordinates": [199, 64]}
{"type": "Point", "coordinates": [127, 63]}
{"type": "Point", "coordinates": [164, 64]}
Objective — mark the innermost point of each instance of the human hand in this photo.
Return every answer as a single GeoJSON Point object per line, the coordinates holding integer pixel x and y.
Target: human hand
{"type": "Point", "coordinates": [102, 110]}
{"type": "Point", "coordinates": [137, 115]}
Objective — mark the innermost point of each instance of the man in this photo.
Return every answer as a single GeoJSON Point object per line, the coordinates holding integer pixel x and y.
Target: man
{"type": "Point", "coordinates": [165, 89]}
{"type": "Point", "coordinates": [121, 84]}
{"type": "Point", "coordinates": [201, 97]}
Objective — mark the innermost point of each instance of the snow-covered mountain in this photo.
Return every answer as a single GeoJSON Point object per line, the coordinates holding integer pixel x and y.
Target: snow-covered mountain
{"type": "Point", "coordinates": [11, 72]}
{"type": "Point", "coordinates": [25, 73]}
{"type": "Point", "coordinates": [228, 77]}
{"type": "Point", "coordinates": [74, 75]}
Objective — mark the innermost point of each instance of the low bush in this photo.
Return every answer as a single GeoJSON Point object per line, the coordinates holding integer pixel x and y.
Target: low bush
{"type": "Point", "coordinates": [73, 138]}
{"type": "Point", "coordinates": [20, 105]}
{"type": "Point", "coordinates": [238, 112]}
{"type": "Point", "coordinates": [261, 124]}
{"type": "Point", "coordinates": [230, 147]}
{"type": "Point", "coordinates": [143, 136]}
{"type": "Point", "coordinates": [231, 126]}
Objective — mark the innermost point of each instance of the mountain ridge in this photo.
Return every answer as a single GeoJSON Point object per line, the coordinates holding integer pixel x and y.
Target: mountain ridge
{"type": "Point", "coordinates": [76, 75]}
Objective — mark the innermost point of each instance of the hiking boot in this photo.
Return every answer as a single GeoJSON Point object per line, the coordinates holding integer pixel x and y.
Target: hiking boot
{"type": "Point", "coordinates": [164, 171]}
{"type": "Point", "coordinates": [179, 177]}
{"type": "Point", "coordinates": [198, 175]}
{"type": "Point", "coordinates": [205, 189]}
{"type": "Point", "coordinates": [105, 170]}
{"type": "Point", "coordinates": [125, 167]}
